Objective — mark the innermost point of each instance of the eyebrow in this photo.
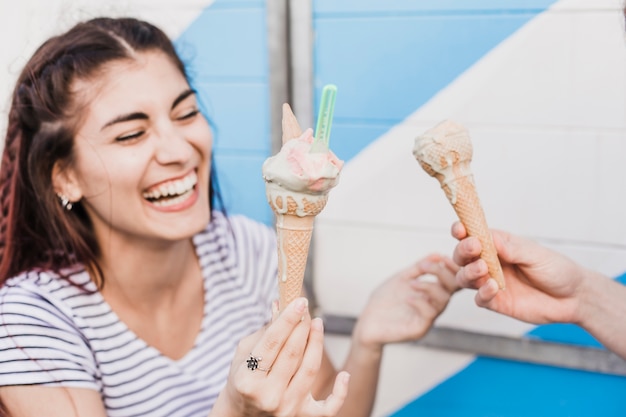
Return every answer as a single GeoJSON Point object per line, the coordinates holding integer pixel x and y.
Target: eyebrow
{"type": "Point", "coordinates": [142, 116]}
{"type": "Point", "coordinates": [182, 96]}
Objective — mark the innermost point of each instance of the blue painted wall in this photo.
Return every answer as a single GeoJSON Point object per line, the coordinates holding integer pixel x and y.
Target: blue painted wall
{"type": "Point", "coordinates": [389, 57]}
{"type": "Point", "coordinates": [226, 51]}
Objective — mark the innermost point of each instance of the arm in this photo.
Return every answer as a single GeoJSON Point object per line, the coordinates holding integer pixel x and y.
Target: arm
{"type": "Point", "coordinates": [602, 311]}
{"type": "Point", "coordinates": [543, 286]}
{"type": "Point", "coordinates": [53, 402]}
{"type": "Point", "coordinates": [403, 308]}
{"type": "Point", "coordinates": [44, 359]}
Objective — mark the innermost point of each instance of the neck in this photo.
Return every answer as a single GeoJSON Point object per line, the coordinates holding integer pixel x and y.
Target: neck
{"type": "Point", "coordinates": [155, 289]}
{"type": "Point", "coordinates": [148, 275]}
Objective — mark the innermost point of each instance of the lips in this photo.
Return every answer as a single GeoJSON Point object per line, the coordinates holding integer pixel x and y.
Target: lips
{"type": "Point", "coordinates": [174, 192]}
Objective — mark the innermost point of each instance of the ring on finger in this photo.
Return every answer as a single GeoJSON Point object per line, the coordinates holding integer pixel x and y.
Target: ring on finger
{"type": "Point", "coordinates": [253, 364]}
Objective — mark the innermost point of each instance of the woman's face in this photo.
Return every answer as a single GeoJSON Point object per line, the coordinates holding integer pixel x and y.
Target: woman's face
{"type": "Point", "coordinates": [141, 153]}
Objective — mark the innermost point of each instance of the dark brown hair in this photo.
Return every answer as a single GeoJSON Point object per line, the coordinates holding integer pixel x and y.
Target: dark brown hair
{"type": "Point", "coordinates": [35, 231]}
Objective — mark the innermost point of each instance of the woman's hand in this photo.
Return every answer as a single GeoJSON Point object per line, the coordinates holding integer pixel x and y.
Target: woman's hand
{"type": "Point", "coordinates": [404, 307]}
{"type": "Point", "coordinates": [287, 356]}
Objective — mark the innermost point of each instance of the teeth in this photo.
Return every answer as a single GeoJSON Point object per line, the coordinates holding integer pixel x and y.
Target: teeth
{"type": "Point", "coordinates": [172, 201]}
{"type": "Point", "coordinates": [178, 188]}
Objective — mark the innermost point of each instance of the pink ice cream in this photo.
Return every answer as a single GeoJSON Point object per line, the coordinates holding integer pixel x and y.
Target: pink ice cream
{"type": "Point", "coordinates": [298, 173]}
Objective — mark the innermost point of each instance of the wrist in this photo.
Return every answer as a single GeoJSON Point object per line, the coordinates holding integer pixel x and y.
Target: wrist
{"type": "Point", "coordinates": [222, 407]}
{"type": "Point", "coordinates": [365, 345]}
{"type": "Point", "coordinates": [591, 296]}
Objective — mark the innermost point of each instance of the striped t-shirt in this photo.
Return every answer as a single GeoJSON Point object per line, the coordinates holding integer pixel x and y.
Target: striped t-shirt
{"type": "Point", "coordinates": [55, 334]}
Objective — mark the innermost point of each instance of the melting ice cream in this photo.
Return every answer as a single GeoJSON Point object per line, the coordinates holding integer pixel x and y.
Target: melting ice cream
{"type": "Point", "coordinates": [304, 176]}
{"type": "Point", "coordinates": [445, 152]}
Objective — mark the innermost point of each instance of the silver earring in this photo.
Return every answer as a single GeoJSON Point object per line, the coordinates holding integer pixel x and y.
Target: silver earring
{"type": "Point", "coordinates": [65, 202]}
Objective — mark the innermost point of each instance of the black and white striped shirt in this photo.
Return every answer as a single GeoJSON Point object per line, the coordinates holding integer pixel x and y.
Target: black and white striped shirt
{"type": "Point", "coordinates": [55, 334]}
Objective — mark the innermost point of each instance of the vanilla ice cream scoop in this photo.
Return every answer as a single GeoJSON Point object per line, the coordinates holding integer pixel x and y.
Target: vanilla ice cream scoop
{"type": "Point", "coordinates": [445, 152]}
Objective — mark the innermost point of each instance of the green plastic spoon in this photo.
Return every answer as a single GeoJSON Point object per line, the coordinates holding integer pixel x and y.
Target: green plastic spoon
{"type": "Point", "coordinates": [324, 119]}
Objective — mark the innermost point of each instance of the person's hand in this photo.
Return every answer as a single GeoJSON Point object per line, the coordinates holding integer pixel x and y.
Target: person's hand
{"type": "Point", "coordinates": [541, 285]}
{"type": "Point", "coordinates": [404, 307]}
{"type": "Point", "coordinates": [287, 356]}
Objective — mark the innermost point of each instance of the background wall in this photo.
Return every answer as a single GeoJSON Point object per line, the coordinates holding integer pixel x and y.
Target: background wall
{"type": "Point", "coordinates": [539, 83]}
{"type": "Point", "coordinates": [541, 91]}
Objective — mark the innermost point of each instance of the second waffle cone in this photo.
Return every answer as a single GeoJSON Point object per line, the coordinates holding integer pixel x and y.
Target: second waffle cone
{"type": "Point", "coordinates": [448, 159]}
{"type": "Point", "coordinates": [469, 210]}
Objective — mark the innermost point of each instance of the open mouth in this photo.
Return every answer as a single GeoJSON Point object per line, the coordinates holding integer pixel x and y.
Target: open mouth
{"type": "Point", "coordinates": [172, 192]}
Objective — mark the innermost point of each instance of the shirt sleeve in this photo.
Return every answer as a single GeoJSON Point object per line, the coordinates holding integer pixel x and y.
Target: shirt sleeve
{"type": "Point", "coordinates": [40, 344]}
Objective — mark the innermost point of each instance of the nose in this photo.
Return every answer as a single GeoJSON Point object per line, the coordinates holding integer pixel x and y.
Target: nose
{"type": "Point", "coordinates": [172, 146]}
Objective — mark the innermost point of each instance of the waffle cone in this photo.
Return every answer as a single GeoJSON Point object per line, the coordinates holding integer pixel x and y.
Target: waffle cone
{"type": "Point", "coordinates": [294, 237]}
{"type": "Point", "coordinates": [453, 155]}
{"type": "Point", "coordinates": [294, 234]}
{"type": "Point", "coordinates": [470, 212]}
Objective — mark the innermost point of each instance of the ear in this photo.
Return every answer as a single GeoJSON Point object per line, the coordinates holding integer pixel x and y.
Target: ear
{"type": "Point", "coordinates": [65, 182]}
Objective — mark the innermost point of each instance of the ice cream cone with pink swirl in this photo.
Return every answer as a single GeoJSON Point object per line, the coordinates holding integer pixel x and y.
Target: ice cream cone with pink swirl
{"type": "Point", "coordinates": [297, 182]}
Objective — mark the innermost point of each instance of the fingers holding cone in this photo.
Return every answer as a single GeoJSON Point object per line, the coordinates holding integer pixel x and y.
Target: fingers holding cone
{"type": "Point", "coordinates": [470, 212]}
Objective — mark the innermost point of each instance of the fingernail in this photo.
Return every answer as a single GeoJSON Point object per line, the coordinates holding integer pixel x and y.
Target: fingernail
{"type": "Point", "coordinates": [301, 304]}
{"type": "Point", "coordinates": [346, 378]}
{"type": "Point", "coordinates": [317, 324]}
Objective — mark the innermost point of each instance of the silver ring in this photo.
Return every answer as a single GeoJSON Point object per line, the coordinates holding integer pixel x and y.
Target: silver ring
{"type": "Point", "coordinates": [253, 363]}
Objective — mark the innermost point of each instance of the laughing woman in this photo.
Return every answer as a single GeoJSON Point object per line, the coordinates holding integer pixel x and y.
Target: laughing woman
{"type": "Point", "coordinates": [122, 292]}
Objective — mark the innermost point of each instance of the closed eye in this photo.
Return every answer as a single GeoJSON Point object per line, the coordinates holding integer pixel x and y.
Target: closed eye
{"type": "Point", "coordinates": [189, 115]}
{"type": "Point", "coordinates": [129, 136]}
